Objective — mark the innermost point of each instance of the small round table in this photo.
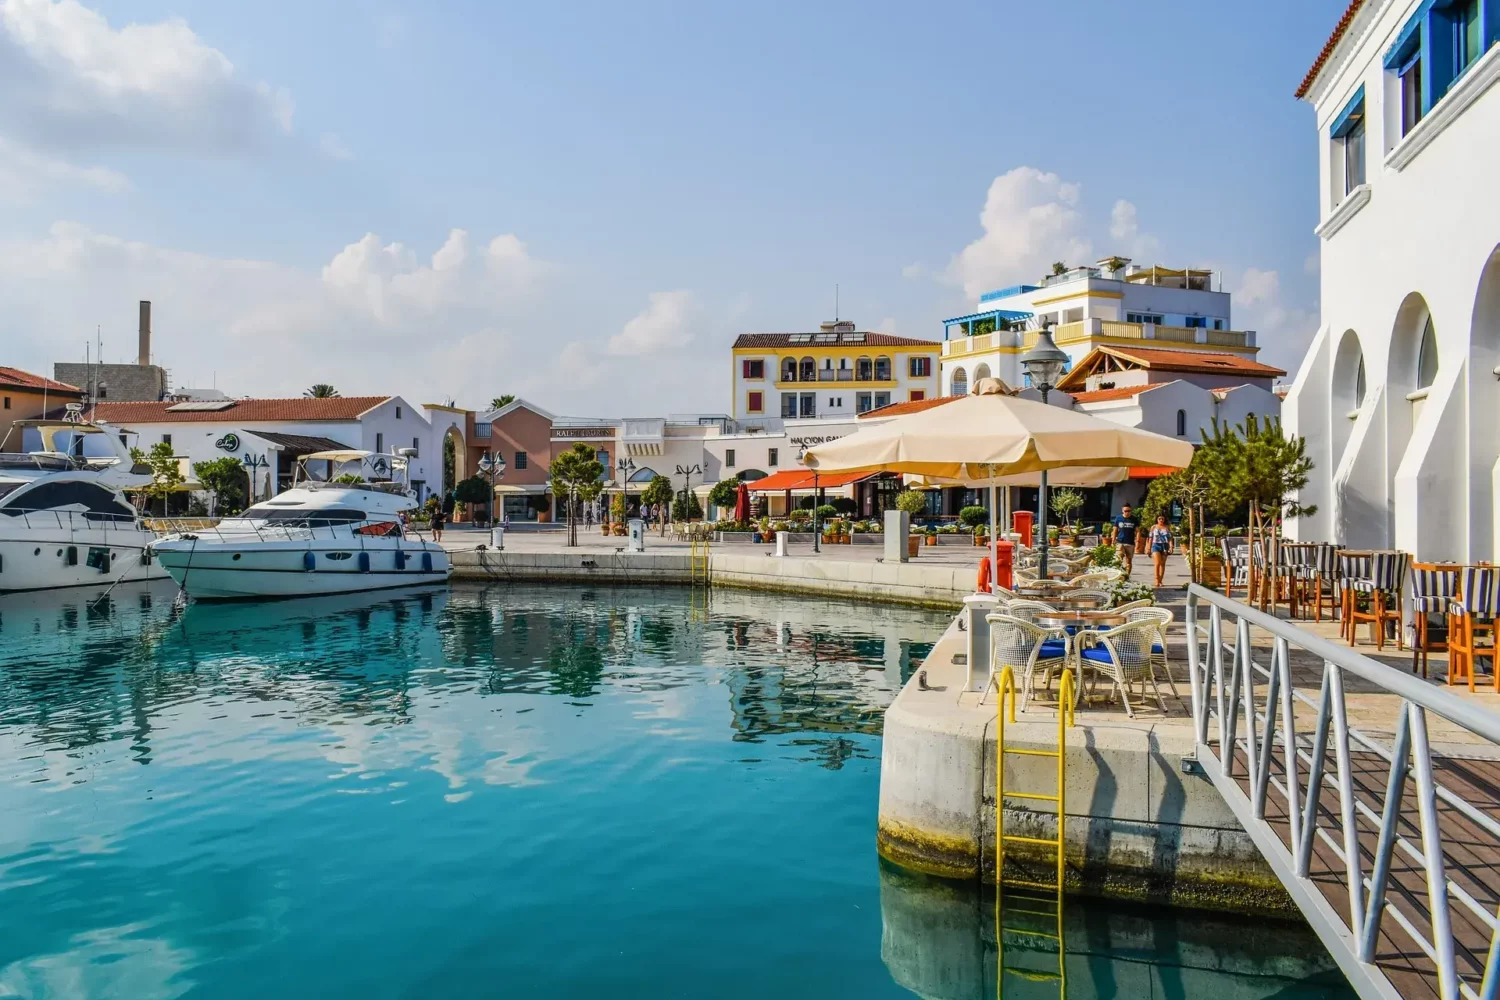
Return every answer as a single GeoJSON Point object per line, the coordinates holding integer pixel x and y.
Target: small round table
{"type": "Point", "coordinates": [1080, 619]}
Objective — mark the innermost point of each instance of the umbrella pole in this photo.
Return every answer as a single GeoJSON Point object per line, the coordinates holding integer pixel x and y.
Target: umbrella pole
{"type": "Point", "coordinates": [1041, 520]}
{"type": "Point", "coordinates": [994, 536]}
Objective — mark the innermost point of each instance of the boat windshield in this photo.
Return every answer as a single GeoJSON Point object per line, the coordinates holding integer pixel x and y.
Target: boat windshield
{"type": "Point", "coordinates": [314, 517]}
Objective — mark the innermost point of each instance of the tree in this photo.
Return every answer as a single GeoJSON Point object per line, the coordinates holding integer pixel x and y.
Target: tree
{"type": "Point", "coordinates": [912, 501]}
{"type": "Point", "coordinates": [500, 402]}
{"type": "Point", "coordinates": [577, 476]}
{"type": "Point", "coordinates": [973, 517]}
{"type": "Point", "coordinates": [166, 471]}
{"type": "Point", "coordinates": [321, 390]}
{"type": "Point", "coordinates": [686, 507]}
{"type": "Point", "coordinates": [225, 479]}
{"type": "Point", "coordinates": [1257, 464]}
{"type": "Point", "coordinates": [474, 490]}
{"type": "Point", "coordinates": [1058, 267]}
{"type": "Point", "coordinates": [725, 493]}
{"type": "Point", "coordinates": [1064, 501]}
{"type": "Point", "coordinates": [658, 491]}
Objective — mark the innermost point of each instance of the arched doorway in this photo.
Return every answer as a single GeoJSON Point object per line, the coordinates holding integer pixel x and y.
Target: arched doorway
{"type": "Point", "coordinates": [1413, 326]}
{"type": "Point", "coordinates": [960, 384]}
{"type": "Point", "coordinates": [455, 459]}
{"type": "Point", "coordinates": [1484, 414]}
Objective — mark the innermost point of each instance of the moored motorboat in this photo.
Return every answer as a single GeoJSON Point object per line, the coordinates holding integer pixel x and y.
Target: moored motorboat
{"type": "Point", "coordinates": [64, 520]}
{"type": "Point", "coordinates": [338, 535]}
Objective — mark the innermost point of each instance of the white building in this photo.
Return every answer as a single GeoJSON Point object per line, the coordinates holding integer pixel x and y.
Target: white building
{"type": "Point", "coordinates": [835, 373]}
{"type": "Point", "coordinates": [1398, 394]}
{"type": "Point", "coordinates": [269, 434]}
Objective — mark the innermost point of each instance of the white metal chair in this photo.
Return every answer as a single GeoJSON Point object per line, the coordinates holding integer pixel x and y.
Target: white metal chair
{"type": "Point", "coordinates": [1163, 619]}
{"type": "Point", "coordinates": [1027, 649]}
{"type": "Point", "coordinates": [1123, 654]}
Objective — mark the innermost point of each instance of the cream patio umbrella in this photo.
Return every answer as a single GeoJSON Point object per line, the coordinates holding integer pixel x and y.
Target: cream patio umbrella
{"type": "Point", "coordinates": [991, 433]}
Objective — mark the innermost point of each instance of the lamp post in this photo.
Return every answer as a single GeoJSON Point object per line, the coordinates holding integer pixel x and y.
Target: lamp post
{"type": "Point", "coordinates": [687, 472]}
{"type": "Point", "coordinates": [253, 464]}
{"type": "Point", "coordinates": [626, 466]}
{"type": "Point", "coordinates": [817, 534]}
{"type": "Point", "coordinates": [495, 470]}
{"type": "Point", "coordinates": [1044, 364]}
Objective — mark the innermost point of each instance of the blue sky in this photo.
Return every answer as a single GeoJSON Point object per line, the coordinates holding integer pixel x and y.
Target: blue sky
{"type": "Point", "coordinates": [659, 178]}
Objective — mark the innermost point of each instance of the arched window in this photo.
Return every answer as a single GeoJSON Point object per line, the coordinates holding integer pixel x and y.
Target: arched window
{"type": "Point", "coordinates": [981, 370]}
{"type": "Point", "coordinates": [1427, 357]}
{"type": "Point", "coordinates": [1359, 383]}
{"type": "Point", "coordinates": [960, 383]}
{"type": "Point", "coordinates": [1182, 423]}
{"type": "Point", "coordinates": [864, 369]}
{"type": "Point", "coordinates": [807, 370]}
{"type": "Point", "coordinates": [882, 369]}
{"type": "Point", "coordinates": [788, 369]}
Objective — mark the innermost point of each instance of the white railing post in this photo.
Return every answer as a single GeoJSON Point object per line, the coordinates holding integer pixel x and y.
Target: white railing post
{"type": "Point", "coordinates": [1283, 658]}
{"type": "Point", "coordinates": [1432, 848]}
{"type": "Point", "coordinates": [1315, 774]}
{"type": "Point", "coordinates": [1195, 684]}
{"type": "Point", "coordinates": [1352, 867]}
{"type": "Point", "coordinates": [1390, 815]}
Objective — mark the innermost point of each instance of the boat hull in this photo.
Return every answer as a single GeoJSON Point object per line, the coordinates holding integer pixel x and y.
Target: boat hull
{"type": "Point", "coordinates": [225, 570]}
{"type": "Point", "coordinates": [46, 559]}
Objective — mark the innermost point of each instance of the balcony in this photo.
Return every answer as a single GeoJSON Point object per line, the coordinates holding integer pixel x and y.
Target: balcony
{"type": "Point", "coordinates": [844, 379]}
{"type": "Point", "coordinates": [1089, 329]}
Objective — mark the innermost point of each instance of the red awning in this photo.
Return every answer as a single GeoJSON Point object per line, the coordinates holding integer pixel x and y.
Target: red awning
{"type": "Point", "coordinates": [1151, 471]}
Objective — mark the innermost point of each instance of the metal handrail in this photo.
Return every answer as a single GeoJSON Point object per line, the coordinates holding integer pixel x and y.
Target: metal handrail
{"type": "Point", "coordinates": [37, 517]}
{"type": "Point", "coordinates": [1260, 725]}
{"type": "Point", "coordinates": [291, 531]}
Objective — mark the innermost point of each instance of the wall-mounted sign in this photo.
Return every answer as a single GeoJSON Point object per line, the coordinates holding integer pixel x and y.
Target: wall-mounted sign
{"type": "Point", "coordinates": [810, 441]}
{"type": "Point", "coordinates": [229, 442]}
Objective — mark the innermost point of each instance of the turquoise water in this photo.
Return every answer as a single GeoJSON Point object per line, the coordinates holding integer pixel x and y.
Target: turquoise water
{"type": "Point", "coordinates": [501, 792]}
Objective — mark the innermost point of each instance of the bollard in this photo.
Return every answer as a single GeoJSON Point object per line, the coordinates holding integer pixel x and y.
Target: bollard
{"type": "Point", "coordinates": [977, 635]}
{"type": "Point", "coordinates": [497, 537]}
{"type": "Point", "coordinates": [781, 540]}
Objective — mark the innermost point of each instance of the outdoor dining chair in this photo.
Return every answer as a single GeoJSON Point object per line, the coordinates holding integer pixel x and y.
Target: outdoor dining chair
{"type": "Point", "coordinates": [1029, 609]}
{"type": "Point", "coordinates": [1382, 588]}
{"type": "Point", "coordinates": [1163, 619]}
{"type": "Point", "coordinates": [1123, 655]}
{"type": "Point", "coordinates": [1352, 565]}
{"type": "Point", "coordinates": [1098, 578]}
{"type": "Point", "coordinates": [1434, 588]}
{"type": "Point", "coordinates": [1028, 649]}
{"type": "Point", "coordinates": [1470, 618]}
{"type": "Point", "coordinates": [1237, 567]}
{"type": "Point", "coordinates": [1087, 593]}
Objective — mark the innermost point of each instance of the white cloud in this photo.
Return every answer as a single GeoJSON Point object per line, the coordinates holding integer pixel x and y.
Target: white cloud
{"type": "Point", "coordinates": [74, 84]}
{"type": "Point", "coordinates": [666, 324]}
{"type": "Point", "coordinates": [913, 270]}
{"type": "Point", "coordinates": [1030, 219]}
{"type": "Point", "coordinates": [887, 325]}
{"type": "Point", "coordinates": [333, 147]}
{"type": "Point", "coordinates": [1283, 329]}
{"type": "Point", "coordinates": [1257, 286]}
{"type": "Point", "coordinates": [25, 171]}
{"type": "Point", "coordinates": [1125, 230]}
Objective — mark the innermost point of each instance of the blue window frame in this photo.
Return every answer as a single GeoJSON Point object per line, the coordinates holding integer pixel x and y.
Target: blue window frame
{"type": "Point", "coordinates": [1348, 134]}
{"type": "Point", "coordinates": [1435, 46]}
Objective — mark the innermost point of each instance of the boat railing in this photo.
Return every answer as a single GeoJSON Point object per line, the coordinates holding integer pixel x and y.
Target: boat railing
{"type": "Point", "coordinates": [67, 519]}
{"type": "Point", "coordinates": [237, 529]}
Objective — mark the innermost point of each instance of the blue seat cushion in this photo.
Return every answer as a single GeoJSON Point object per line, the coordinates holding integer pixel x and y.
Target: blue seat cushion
{"type": "Point", "coordinates": [1157, 650]}
{"type": "Point", "coordinates": [1098, 654]}
{"type": "Point", "coordinates": [1053, 649]}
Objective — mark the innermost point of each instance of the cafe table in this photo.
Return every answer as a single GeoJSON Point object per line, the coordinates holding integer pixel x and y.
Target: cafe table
{"type": "Point", "coordinates": [1077, 621]}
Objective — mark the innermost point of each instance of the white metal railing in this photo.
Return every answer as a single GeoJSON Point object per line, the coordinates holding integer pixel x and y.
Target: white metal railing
{"type": "Point", "coordinates": [233, 529]}
{"type": "Point", "coordinates": [1245, 714]}
{"type": "Point", "coordinates": [68, 520]}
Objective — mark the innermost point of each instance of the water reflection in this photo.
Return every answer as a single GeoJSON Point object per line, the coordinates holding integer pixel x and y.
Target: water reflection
{"type": "Point", "coordinates": [939, 941]}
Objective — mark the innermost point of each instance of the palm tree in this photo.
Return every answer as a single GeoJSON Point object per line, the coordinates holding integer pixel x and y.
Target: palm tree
{"type": "Point", "coordinates": [321, 391]}
{"type": "Point", "coordinates": [501, 401]}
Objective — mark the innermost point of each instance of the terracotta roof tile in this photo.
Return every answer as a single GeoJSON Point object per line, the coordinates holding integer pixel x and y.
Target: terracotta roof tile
{"type": "Point", "coordinates": [1329, 46]}
{"type": "Point", "coordinates": [910, 406]}
{"type": "Point", "coordinates": [1105, 395]}
{"type": "Point", "coordinates": [871, 340]}
{"type": "Point", "coordinates": [26, 380]}
{"type": "Point", "coordinates": [338, 408]}
{"type": "Point", "coordinates": [1198, 362]}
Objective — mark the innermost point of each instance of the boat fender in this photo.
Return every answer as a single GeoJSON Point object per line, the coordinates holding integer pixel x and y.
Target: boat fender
{"type": "Point", "coordinates": [309, 561]}
{"type": "Point", "coordinates": [364, 562]}
{"type": "Point", "coordinates": [400, 559]}
{"type": "Point", "coordinates": [426, 562]}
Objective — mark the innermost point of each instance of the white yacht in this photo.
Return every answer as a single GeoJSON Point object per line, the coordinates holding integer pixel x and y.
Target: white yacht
{"type": "Point", "coordinates": [64, 521]}
{"type": "Point", "coordinates": [336, 535]}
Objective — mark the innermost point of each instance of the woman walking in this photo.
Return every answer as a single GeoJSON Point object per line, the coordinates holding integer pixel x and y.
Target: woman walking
{"type": "Point", "coordinates": [437, 523]}
{"type": "Point", "coordinates": [1161, 544]}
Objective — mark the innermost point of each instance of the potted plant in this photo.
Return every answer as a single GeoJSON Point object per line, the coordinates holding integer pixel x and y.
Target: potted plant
{"type": "Point", "coordinates": [766, 534]}
{"type": "Point", "coordinates": [913, 542]}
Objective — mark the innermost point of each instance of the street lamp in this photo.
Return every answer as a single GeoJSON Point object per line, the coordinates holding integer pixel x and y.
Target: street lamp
{"type": "Point", "coordinates": [1044, 364]}
{"type": "Point", "coordinates": [626, 466]}
{"type": "Point", "coordinates": [495, 470]}
{"type": "Point", "coordinates": [687, 472]}
{"type": "Point", "coordinates": [253, 464]}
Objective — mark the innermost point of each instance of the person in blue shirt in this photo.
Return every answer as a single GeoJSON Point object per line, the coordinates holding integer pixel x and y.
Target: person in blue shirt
{"type": "Point", "coordinates": [1126, 525]}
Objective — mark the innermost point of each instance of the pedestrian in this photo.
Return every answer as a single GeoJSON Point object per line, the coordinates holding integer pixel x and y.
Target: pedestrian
{"type": "Point", "coordinates": [438, 517]}
{"type": "Point", "coordinates": [1126, 526]}
{"type": "Point", "coordinates": [588, 515]}
{"type": "Point", "coordinates": [1161, 544]}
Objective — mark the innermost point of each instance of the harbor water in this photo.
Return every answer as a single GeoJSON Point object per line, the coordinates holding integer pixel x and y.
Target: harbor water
{"type": "Point", "coordinates": [506, 791]}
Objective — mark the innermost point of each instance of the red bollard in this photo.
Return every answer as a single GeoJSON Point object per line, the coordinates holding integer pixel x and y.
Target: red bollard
{"type": "Point", "coordinates": [1005, 561]}
{"type": "Point", "coordinates": [1024, 520]}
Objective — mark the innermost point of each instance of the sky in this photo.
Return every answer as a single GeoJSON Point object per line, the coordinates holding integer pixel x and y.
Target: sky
{"type": "Point", "coordinates": [583, 204]}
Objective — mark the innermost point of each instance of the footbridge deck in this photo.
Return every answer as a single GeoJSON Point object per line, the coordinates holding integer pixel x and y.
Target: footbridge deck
{"type": "Point", "coordinates": [1387, 839]}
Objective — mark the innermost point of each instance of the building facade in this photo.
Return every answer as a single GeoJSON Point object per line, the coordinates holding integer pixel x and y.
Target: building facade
{"type": "Point", "coordinates": [1399, 394]}
{"type": "Point", "coordinates": [24, 396]}
{"type": "Point", "coordinates": [835, 373]}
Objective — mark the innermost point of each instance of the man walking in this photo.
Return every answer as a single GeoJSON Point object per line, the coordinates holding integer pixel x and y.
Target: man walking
{"type": "Point", "coordinates": [1126, 526]}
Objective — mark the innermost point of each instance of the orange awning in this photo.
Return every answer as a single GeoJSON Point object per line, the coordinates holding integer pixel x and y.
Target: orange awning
{"type": "Point", "coordinates": [802, 479]}
{"type": "Point", "coordinates": [1151, 471]}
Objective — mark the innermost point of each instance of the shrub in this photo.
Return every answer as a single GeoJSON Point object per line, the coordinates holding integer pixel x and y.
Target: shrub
{"type": "Point", "coordinates": [686, 508]}
{"type": "Point", "coordinates": [827, 512]}
{"type": "Point", "coordinates": [844, 505]}
{"type": "Point", "coordinates": [975, 516]}
{"type": "Point", "coordinates": [807, 503]}
{"type": "Point", "coordinates": [1123, 592]}
{"type": "Point", "coordinates": [724, 493]}
{"type": "Point", "coordinates": [1104, 556]}
{"type": "Point", "coordinates": [800, 514]}
{"type": "Point", "coordinates": [911, 501]}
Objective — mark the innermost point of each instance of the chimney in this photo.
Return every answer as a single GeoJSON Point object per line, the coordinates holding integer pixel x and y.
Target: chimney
{"type": "Point", "coordinates": [144, 357]}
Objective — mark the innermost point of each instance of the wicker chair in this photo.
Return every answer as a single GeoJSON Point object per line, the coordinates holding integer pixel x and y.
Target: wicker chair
{"type": "Point", "coordinates": [1098, 578]}
{"type": "Point", "coordinates": [1128, 606]}
{"type": "Point", "coordinates": [1005, 596]}
{"type": "Point", "coordinates": [1163, 619]}
{"type": "Point", "coordinates": [1028, 649]}
{"type": "Point", "coordinates": [1028, 609]}
{"type": "Point", "coordinates": [1087, 593]}
{"type": "Point", "coordinates": [1123, 654]}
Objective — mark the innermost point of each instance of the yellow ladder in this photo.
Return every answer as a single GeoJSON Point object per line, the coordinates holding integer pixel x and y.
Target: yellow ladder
{"type": "Point", "coordinates": [1033, 910]}
{"type": "Point", "coordinates": [698, 560]}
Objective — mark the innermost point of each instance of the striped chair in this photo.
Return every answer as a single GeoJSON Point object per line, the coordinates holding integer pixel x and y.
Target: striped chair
{"type": "Point", "coordinates": [1351, 566]}
{"type": "Point", "coordinates": [1237, 567]}
{"type": "Point", "coordinates": [1434, 587]}
{"type": "Point", "coordinates": [1382, 588]}
{"type": "Point", "coordinates": [1471, 617]}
